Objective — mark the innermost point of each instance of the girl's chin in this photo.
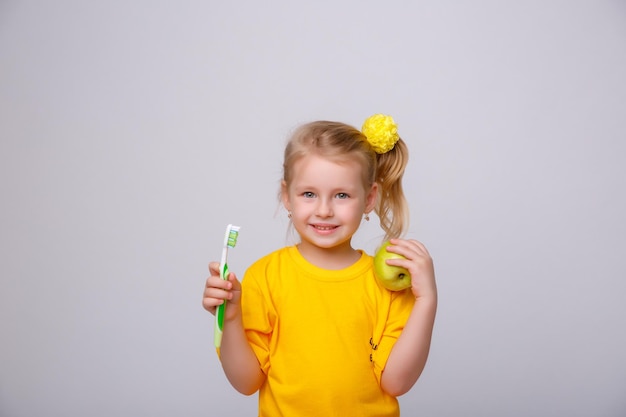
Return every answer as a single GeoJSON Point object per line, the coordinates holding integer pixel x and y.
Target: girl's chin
{"type": "Point", "coordinates": [325, 243]}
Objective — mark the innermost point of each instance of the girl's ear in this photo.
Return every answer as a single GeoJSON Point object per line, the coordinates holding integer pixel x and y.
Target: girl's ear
{"type": "Point", "coordinates": [284, 195]}
{"type": "Point", "coordinates": [372, 198]}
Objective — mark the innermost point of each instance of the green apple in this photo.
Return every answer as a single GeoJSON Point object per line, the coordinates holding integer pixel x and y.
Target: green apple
{"type": "Point", "coordinates": [392, 277]}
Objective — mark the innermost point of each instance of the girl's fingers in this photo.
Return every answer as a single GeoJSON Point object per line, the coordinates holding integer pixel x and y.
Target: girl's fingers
{"type": "Point", "coordinates": [217, 282]}
{"type": "Point", "coordinates": [208, 307]}
{"type": "Point", "coordinates": [214, 268]}
{"type": "Point", "coordinates": [410, 249]}
{"type": "Point", "coordinates": [215, 292]}
{"type": "Point", "coordinates": [214, 297]}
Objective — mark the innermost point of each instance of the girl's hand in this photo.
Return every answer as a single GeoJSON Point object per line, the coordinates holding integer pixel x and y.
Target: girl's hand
{"type": "Point", "coordinates": [419, 264]}
{"type": "Point", "coordinates": [216, 291]}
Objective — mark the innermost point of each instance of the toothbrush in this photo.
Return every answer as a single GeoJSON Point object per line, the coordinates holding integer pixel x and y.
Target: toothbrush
{"type": "Point", "coordinates": [230, 240]}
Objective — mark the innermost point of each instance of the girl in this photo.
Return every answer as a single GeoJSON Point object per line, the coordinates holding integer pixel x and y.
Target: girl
{"type": "Point", "coordinates": [310, 326]}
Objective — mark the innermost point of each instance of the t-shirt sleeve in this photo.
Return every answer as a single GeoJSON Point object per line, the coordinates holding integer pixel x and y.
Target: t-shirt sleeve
{"type": "Point", "coordinates": [392, 319]}
{"type": "Point", "coordinates": [258, 317]}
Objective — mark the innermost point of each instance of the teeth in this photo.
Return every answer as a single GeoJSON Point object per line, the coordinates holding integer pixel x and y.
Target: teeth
{"type": "Point", "coordinates": [324, 227]}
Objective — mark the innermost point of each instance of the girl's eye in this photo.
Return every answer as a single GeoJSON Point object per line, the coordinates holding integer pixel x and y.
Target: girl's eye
{"type": "Point", "coordinates": [308, 194]}
{"type": "Point", "coordinates": [342, 195]}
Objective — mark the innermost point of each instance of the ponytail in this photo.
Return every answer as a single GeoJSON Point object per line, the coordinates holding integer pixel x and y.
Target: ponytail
{"type": "Point", "coordinates": [392, 208]}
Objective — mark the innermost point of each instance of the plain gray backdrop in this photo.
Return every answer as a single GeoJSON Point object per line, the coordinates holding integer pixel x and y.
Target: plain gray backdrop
{"type": "Point", "coordinates": [132, 133]}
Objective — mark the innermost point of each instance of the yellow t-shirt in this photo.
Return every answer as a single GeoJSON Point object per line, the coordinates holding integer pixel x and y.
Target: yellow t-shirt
{"type": "Point", "coordinates": [322, 337]}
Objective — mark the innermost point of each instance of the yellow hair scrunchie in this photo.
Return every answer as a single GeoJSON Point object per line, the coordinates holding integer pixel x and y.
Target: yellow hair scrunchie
{"type": "Point", "coordinates": [381, 132]}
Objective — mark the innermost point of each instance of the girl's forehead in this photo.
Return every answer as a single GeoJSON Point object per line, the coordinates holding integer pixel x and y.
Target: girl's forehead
{"type": "Point", "coordinates": [321, 172]}
{"type": "Point", "coordinates": [318, 164]}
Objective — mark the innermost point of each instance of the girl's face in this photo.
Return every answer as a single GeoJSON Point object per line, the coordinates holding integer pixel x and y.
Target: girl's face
{"type": "Point", "coordinates": [327, 201]}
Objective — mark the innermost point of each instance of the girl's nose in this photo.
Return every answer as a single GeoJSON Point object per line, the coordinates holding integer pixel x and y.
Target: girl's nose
{"type": "Point", "coordinates": [324, 208]}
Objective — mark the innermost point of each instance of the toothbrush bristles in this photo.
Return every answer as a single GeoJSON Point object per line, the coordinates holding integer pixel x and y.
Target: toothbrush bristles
{"type": "Point", "coordinates": [232, 236]}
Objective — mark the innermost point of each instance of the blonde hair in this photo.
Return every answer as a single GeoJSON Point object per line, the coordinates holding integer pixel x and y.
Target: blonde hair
{"type": "Point", "coordinates": [339, 141]}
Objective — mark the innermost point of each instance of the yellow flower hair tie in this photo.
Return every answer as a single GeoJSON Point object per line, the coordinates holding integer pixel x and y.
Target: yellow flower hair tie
{"type": "Point", "coordinates": [381, 132]}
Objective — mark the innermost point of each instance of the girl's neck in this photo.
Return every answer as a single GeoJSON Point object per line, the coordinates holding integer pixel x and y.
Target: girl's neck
{"type": "Point", "coordinates": [329, 258]}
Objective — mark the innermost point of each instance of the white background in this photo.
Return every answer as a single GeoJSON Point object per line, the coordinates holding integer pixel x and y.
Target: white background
{"type": "Point", "coordinates": [131, 133]}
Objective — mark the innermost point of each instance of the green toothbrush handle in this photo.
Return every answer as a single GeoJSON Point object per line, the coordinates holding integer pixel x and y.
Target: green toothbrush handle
{"type": "Point", "coordinates": [219, 314]}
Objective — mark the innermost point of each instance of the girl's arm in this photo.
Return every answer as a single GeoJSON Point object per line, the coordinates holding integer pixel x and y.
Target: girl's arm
{"type": "Point", "coordinates": [238, 360]}
{"type": "Point", "coordinates": [408, 356]}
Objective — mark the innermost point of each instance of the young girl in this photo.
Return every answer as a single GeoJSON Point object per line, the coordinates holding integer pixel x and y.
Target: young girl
{"type": "Point", "coordinates": [310, 326]}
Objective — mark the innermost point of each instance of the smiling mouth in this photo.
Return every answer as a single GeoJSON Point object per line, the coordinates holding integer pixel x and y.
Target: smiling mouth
{"type": "Point", "coordinates": [324, 228]}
